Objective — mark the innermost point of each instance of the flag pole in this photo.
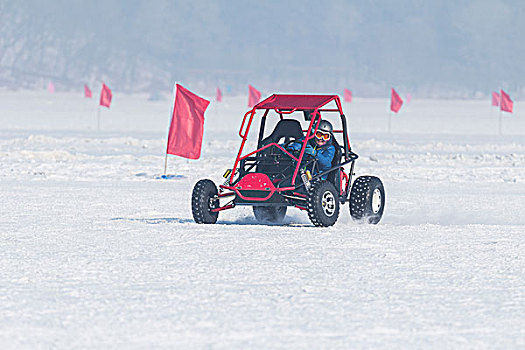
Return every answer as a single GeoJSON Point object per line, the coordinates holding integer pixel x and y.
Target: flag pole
{"type": "Point", "coordinates": [165, 162]}
{"type": "Point", "coordinates": [98, 109]}
{"type": "Point", "coordinates": [98, 118]}
{"type": "Point", "coordinates": [171, 118]}
{"type": "Point", "coordinates": [499, 114]}
{"type": "Point", "coordinates": [390, 121]}
{"type": "Point", "coordinates": [499, 121]}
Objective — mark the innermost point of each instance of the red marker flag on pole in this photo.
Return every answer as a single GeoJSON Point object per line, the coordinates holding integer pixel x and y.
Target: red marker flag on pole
{"type": "Point", "coordinates": [347, 97]}
{"type": "Point", "coordinates": [396, 102]}
{"type": "Point", "coordinates": [218, 95]}
{"type": "Point", "coordinates": [87, 91]}
{"type": "Point", "coordinates": [506, 103]}
{"type": "Point", "coordinates": [495, 98]}
{"type": "Point", "coordinates": [254, 96]}
{"type": "Point", "coordinates": [105, 96]}
{"type": "Point", "coordinates": [187, 124]}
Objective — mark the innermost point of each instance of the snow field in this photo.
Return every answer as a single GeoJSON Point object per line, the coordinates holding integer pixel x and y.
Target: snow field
{"type": "Point", "coordinates": [98, 253]}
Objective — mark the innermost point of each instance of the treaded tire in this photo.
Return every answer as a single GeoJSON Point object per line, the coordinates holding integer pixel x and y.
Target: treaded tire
{"type": "Point", "coordinates": [272, 214]}
{"type": "Point", "coordinates": [203, 191]}
{"type": "Point", "coordinates": [367, 199]}
{"type": "Point", "coordinates": [322, 204]}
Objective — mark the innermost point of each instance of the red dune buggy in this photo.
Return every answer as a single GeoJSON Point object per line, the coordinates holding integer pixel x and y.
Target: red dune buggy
{"type": "Point", "coordinates": [272, 177]}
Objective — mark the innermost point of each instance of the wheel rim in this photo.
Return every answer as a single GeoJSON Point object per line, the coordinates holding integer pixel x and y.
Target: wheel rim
{"type": "Point", "coordinates": [376, 201]}
{"type": "Point", "coordinates": [212, 203]}
{"type": "Point", "coordinates": [328, 203]}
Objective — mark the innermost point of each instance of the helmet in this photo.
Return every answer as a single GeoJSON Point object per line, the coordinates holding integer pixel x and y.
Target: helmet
{"type": "Point", "coordinates": [326, 126]}
{"type": "Point", "coordinates": [324, 132]}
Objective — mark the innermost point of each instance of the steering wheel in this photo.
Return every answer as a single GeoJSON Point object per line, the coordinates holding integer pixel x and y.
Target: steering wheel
{"type": "Point", "coordinates": [292, 151]}
{"type": "Point", "coordinates": [297, 153]}
{"type": "Point", "coordinates": [287, 144]}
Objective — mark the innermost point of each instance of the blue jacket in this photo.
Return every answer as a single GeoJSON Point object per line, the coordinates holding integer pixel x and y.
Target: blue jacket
{"type": "Point", "coordinates": [324, 154]}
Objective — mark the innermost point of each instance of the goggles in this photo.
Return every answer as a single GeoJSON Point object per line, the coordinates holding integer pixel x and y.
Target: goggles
{"type": "Point", "coordinates": [321, 135]}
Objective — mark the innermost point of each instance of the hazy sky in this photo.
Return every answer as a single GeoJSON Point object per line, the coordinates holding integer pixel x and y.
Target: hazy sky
{"type": "Point", "coordinates": [472, 45]}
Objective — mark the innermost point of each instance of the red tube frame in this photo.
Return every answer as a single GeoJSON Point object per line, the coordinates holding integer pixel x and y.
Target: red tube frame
{"type": "Point", "coordinates": [309, 136]}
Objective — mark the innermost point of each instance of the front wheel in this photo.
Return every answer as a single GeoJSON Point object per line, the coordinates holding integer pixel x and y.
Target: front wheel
{"type": "Point", "coordinates": [272, 215]}
{"type": "Point", "coordinates": [367, 199]}
{"type": "Point", "coordinates": [323, 204]}
{"type": "Point", "coordinates": [203, 200]}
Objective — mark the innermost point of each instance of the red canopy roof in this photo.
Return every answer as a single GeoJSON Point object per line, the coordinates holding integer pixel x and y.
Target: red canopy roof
{"type": "Point", "coordinates": [299, 102]}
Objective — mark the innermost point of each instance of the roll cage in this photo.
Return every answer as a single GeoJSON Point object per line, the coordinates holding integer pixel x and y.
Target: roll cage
{"type": "Point", "coordinates": [313, 107]}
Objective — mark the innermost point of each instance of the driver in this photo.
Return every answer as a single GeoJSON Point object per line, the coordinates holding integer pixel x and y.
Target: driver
{"type": "Point", "coordinates": [320, 146]}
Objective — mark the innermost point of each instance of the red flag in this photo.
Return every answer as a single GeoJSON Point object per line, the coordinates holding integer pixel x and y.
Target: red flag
{"type": "Point", "coordinates": [187, 124]}
{"type": "Point", "coordinates": [87, 91]}
{"type": "Point", "coordinates": [51, 87]}
{"type": "Point", "coordinates": [505, 102]}
{"type": "Point", "coordinates": [218, 95]}
{"type": "Point", "coordinates": [347, 97]}
{"type": "Point", "coordinates": [396, 102]}
{"type": "Point", "coordinates": [105, 96]}
{"type": "Point", "coordinates": [495, 98]}
{"type": "Point", "coordinates": [254, 96]}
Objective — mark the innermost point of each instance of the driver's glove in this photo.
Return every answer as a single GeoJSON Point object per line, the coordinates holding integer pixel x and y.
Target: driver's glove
{"type": "Point", "coordinates": [295, 147]}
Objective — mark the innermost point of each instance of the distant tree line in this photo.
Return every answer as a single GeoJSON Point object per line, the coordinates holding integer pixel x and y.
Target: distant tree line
{"type": "Point", "coordinates": [137, 45]}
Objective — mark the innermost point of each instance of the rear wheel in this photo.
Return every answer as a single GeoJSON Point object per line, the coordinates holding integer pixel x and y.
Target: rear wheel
{"type": "Point", "coordinates": [203, 200]}
{"type": "Point", "coordinates": [323, 204]}
{"type": "Point", "coordinates": [273, 215]}
{"type": "Point", "coordinates": [367, 199]}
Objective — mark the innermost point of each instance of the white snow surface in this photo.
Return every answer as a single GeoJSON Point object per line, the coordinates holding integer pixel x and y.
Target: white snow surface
{"type": "Point", "coordinates": [96, 252]}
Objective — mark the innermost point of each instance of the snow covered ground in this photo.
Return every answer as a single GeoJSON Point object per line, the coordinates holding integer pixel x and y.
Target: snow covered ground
{"type": "Point", "coordinates": [96, 252]}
